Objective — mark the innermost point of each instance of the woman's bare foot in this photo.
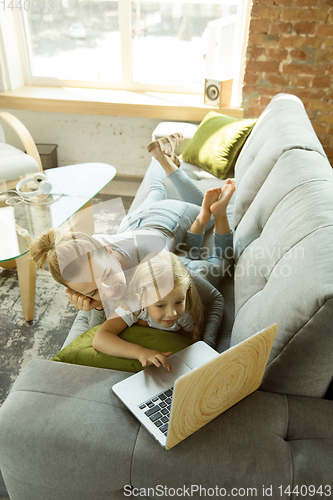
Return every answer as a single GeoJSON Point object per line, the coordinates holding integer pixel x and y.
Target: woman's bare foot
{"type": "Point", "coordinates": [219, 207]}
{"type": "Point", "coordinates": [211, 196]}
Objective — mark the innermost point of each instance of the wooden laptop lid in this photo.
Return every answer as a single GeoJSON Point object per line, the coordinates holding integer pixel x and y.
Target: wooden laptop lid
{"type": "Point", "coordinates": [206, 392]}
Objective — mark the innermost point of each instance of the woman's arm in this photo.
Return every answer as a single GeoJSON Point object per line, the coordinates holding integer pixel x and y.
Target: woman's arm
{"type": "Point", "coordinates": [107, 340]}
{"type": "Point", "coordinates": [82, 302]}
{"type": "Point", "coordinates": [214, 307]}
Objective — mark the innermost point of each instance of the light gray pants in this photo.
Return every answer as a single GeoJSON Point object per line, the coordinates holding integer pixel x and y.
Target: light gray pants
{"type": "Point", "coordinates": [175, 218]}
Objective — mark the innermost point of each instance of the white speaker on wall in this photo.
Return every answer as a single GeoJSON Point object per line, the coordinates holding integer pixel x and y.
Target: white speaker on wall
{"type": "Point", "coordinates": [217, 93]}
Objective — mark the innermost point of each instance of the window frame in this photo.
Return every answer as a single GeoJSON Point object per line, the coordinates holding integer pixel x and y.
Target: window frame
{"type": "Point", "coordinates": [14, 56]}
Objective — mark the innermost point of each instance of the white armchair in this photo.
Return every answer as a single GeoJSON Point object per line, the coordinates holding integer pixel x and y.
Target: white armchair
{"type": "Point", "coordinates": [14, 163]}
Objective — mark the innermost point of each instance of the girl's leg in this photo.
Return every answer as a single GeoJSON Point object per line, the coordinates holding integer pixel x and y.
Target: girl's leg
{"type": "Point", "coordinates": [205, 215]}
{"type": "Point", "coordinates": [223, 246]}
{"type": "Point", "coordinates": [220, 263]}
{"type": "Point", "coordinates": [219, 208]}
{"type": "Point", "coordinates": [211, 269]}
{"type": "Point", "coordinates": [223, 236]}
{"type": "Point", "coordinates": [202, 222]}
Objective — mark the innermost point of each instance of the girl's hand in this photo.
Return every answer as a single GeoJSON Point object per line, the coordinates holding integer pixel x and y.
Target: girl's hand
{"type": "Point", "coordinates": [149, 356]}
{"type": "Point", "coordinates": [82, 302]}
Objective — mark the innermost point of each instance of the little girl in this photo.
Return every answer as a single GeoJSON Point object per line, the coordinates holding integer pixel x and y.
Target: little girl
{"type": "Point", "coordinates": [166, 293]}
{"type": "Point", "coordinates": [166, 297]}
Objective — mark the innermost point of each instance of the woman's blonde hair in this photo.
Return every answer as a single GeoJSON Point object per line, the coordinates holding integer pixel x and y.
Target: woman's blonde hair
{"type": "Point", "coordinates": [163, 267]}
{"type": "Point", "coordinates": [63, 252]}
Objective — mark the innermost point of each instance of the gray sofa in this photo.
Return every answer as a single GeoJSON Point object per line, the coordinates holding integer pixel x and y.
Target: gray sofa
{"type": "Point", "coordinates": [64, 435]}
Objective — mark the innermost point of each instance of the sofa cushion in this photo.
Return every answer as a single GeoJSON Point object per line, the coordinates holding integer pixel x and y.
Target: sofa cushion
{"type": "Point", "coordinates": [217, 142]}
{"type": "Point", "coordinates": [248, 448]}
{"type": "Point", "coordinates": [81, 352]}
{"type": "Point", "coordinates": [283, 241]}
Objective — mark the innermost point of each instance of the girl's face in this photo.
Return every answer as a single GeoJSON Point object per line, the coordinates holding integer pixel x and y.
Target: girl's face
{"type": "Point", "coordinates": [168, 310]}
{"type": "Point", "coordinates": [101, 278]}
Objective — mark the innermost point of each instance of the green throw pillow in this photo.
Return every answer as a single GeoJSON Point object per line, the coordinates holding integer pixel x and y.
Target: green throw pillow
{"type": "Point", "coordinates": [217, 142]}
{"type": "Point", "coordinates": [81, 352]}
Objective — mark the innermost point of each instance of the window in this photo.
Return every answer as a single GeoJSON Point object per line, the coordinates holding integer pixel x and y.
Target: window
{"type": "Point", "coordinates": [168, 46]}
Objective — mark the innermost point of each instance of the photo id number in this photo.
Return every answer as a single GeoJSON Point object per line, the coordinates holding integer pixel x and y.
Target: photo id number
{"type": "Point", "coordinates": [306, 491]}
{"type": "Point", "coordinates": [44, 5]}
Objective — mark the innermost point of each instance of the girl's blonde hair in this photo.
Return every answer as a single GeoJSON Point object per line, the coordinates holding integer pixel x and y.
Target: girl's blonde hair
{"type": "Point", "coordinates": [157, 268]}
{"type": "Point", "coordinates": [63, 253]}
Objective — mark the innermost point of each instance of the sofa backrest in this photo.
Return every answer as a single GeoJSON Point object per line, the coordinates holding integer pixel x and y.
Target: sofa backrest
{"type": "Point", "coordinates": [283, 217]}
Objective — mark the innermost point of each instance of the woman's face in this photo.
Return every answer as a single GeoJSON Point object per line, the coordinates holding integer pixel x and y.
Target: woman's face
{"type": "Point", "coordinates": [101, 278]}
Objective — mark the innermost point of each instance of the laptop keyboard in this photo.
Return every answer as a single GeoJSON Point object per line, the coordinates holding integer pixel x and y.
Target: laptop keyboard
{"type": "Point", "coordinates": [158, 408]}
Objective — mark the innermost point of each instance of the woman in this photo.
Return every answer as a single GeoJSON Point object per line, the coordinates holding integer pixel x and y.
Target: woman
{"type": "Point", "coordinates": [96, 269]}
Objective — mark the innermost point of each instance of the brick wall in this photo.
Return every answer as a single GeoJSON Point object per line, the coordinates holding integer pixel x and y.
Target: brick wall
{"type": "Point", "coordinates": [290, 49]}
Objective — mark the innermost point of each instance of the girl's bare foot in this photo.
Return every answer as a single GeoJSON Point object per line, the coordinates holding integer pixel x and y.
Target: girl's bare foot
{"type": "Point", "coordinates": [219, 207]}
{"type": "Point", "coordinates": [211, 196]}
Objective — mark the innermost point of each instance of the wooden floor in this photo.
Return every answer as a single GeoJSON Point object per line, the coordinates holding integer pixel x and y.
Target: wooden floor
{"type": "Point", "coordinates": [122, 186]}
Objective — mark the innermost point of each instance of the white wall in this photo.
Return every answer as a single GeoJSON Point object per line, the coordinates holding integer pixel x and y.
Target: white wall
{"type": "Point", "coordinates": [119, 141]}
{"type": "Point", "coordinates": [2, 86]}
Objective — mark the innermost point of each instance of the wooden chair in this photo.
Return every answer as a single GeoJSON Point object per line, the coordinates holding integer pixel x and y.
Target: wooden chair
{"type": "Point", "coordinates": [14, 164]}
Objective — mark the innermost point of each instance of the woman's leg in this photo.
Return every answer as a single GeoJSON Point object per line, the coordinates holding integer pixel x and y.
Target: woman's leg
{"type": "Point", "coordinates": [155, 201]}
{"type": "Point", "coordinates": [185, 186]}
{"type": "Point", "coordinates": [188, 191]}
{"type": "Point", "coordinates": [154, 184]}
{"type": "Point", "coordinates": [154, 191]}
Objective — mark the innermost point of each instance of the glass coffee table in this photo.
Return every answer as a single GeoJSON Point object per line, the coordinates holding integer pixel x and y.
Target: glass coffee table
{"type": "Point", "coordinates": [73, 188]}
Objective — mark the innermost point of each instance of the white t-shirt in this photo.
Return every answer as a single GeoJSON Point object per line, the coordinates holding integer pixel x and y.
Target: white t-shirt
{"type": "Point", "coordinates": [134, 246]}
{"type": "Point", "coordinates": [185, 322]}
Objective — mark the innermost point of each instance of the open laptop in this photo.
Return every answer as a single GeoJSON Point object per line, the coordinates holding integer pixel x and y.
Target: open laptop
{"type": "Point", "coordinates": [201, 386]}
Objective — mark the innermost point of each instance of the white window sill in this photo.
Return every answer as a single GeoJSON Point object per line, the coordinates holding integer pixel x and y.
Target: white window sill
{"type": "Point", "coordinates": [178, 107]}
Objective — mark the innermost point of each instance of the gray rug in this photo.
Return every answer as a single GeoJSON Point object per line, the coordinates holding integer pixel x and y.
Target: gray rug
{"type": "Point", "coordinates": [54, 315]}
